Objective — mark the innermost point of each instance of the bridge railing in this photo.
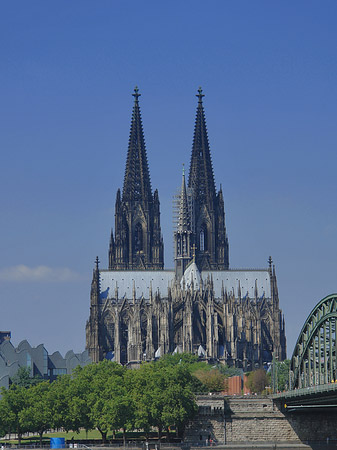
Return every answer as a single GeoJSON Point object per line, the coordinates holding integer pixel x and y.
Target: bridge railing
{"type": "Point", "coordinates": [319, 388]}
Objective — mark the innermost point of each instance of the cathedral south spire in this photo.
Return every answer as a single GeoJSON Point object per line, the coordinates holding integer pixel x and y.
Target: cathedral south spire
{"type": "Point", "coordinates": [138, 242]}
{"type": "Point", "coordinates": [209, 215]}
{"type": "Point", "coordinates": [201, 177]}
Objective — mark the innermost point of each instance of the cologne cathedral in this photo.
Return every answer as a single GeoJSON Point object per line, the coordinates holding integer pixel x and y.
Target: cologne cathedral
{"type": "Point", "coordinates": [139, 311]}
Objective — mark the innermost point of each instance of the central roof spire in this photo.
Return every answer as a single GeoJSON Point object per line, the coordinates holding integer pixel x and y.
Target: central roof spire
{"type": "Point", "coordinates": [137, 183]}
{"type": "Point", "coordinates": [184, 219]}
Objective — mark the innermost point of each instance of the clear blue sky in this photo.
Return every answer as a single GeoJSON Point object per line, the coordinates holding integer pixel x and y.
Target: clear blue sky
{"type": "Point", "coordinates": [67, 71]}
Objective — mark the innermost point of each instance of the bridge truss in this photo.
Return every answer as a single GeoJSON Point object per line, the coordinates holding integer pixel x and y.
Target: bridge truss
{"type": "Point", "coordinates": [314, 359]}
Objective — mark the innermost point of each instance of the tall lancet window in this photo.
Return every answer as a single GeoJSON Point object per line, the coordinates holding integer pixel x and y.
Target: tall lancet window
{"type": "Point", "coordinates": [203, 238]}
{"type": "Point", "coordinates": [138, 238]}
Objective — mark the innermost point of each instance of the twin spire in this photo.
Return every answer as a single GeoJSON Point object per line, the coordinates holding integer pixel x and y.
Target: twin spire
{"type": "Point", "coordinates": [137, 183]}
{"type": "Point", "coordinates": [201, 178]}
{"type": "Point", "coordinates": [138, 243]}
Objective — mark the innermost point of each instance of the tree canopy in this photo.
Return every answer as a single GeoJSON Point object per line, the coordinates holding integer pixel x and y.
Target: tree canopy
{"type": "Point", "coordinates": [109, 397]}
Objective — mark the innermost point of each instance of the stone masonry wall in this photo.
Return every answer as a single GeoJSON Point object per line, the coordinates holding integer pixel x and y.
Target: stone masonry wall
{"type": "Point", "coordinates": [256, 419]}
{"type": "Point", "coordinates": [253, 419]}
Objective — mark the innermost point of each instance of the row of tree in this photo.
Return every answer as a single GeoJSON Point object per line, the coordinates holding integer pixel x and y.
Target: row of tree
{"type": "Point", "coordinates": [109, 397]}
{"type": "Point", "coordinates": [104, 396]}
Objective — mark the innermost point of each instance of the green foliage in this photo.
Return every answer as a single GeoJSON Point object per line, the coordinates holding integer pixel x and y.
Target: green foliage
{"type": "Point", "coordinates": [99, 397]}
{"type": "Point", "coordinates": [177, 358]}
{"type": "Point", "coordinates": [37, 415]}
{"type": "Point", "coordinates": [257, 381]}
{"type": "Point", "coordinates": [206, 378]}
{"type": "Point", "coordinates": [24, 379]}
{"type": "Point", "coordinates": [229, 371]}
{"type": "Point", "coordinates": [163, 395]}
{"type": "Point", "coordinates": [282, 374]}
{"type": "Point", "coordinates": [13, 401]}
{"type": "Point", "coordinates": [105, 396]}
{"type": "Point", "coordinates": [213, 379]}
{"type": "Point", "coordinates": [61, 393]}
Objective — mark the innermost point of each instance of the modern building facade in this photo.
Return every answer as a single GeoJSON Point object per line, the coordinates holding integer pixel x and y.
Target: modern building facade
{"type": "Point", "coordinates": [37, 360]}
{"type": "Point", "coordinates": [139, 311]}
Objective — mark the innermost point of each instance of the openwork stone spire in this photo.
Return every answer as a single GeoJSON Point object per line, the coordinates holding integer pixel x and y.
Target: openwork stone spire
{"type": "Point", "coordinates": [184, 216]}
{"type": "Point", "coordinates": [208, 222]}
{"type": "Point", "coordinates": [137, 243]}
{"type": "Point", "coordinates": [201, 177]}
{"type": "Point", "coordinates": [183, 235]}
{"type": "Point", "coordinates": [137, 183]}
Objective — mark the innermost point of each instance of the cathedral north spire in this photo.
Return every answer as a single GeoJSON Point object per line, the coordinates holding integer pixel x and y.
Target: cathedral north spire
{"type": "Point", "coordinates": [137, 183]}
{"type": "Point", "coordinates": [209, 215]}
{"type": "Point", "coordinates": [201, 177]}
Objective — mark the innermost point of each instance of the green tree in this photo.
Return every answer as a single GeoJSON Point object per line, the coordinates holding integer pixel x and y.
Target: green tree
{"type": "Point", "coordinates": [24, 379]}
{"type": "Point", "coordinates": [13, 401]}
{"type": "Point", "coordinates": [99, 398]}
{"type": "Point", "coordinates": [192, 363]}
{"type": "Point", "coordinates": [177, 358]}
{"type": "Point", "coordinates": [163, 396]}
{"type": "Point", "coordinates": [229, 371]}
{"type": "Point", "coordinates": [282, 374]}
{"type": "Point", "coordinates": [178, 399]}
{"type": "Point", "coordinates": [213, 379]}
{"type": "Point", "coordinates": [37, 415]}
{"type": "Point", "coordinates": [119, 407]}
{"type": "Point", "coordinates": [257, 381]}
{"type": "Point", "coordinates": [61, 396]}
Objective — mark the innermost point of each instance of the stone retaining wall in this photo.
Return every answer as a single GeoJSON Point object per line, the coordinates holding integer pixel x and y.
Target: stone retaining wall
{"type": "Point", "coordinates": [252, 419]}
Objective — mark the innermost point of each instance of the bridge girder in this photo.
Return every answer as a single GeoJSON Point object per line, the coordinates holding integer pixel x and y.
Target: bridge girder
{"type": "Point", "coordinates": [314, 359]}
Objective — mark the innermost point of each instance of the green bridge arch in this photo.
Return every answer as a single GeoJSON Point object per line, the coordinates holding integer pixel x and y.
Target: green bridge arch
{"type": "Point", "coordinates": [314, 359]}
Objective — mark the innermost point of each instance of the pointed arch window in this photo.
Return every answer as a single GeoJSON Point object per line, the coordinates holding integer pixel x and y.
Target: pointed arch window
{"type": "Point", "coordinates": [203, 238]}
{"type": "Point", "coordinates": [138, 238]}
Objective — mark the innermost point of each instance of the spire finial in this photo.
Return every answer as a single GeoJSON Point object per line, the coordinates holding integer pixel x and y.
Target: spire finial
{"type": "Point", "coordinates": [270, 262]}
{"type": "Point", "coordinates": [200, 95]}
{"type": "Point", "coordinates": [97, 263]}
{"type": "Point", "coordinates": [183, 169]}
{"type": "Point", "coordinates": [136, 94]}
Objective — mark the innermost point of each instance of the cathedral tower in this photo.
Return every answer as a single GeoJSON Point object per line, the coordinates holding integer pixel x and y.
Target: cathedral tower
{"type": "Point", "coordinates": [209, 213]}
{"type": "Point", "coordinates": [138, 242]}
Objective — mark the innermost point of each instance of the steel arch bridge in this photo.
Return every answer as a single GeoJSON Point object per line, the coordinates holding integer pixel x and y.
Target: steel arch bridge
{"type": "Point", "coordinates": [314, 361]}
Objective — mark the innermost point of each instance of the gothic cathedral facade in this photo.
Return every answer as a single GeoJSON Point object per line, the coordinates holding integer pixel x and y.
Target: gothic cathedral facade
{"type": "Point", "coordinates": [140, 311]}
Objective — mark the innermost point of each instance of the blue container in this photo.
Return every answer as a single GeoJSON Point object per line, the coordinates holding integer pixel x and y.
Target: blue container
{"type": "Point", "coordinates": [57, 443]}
